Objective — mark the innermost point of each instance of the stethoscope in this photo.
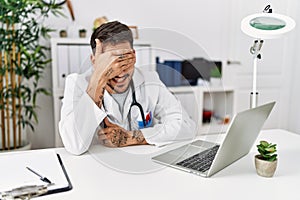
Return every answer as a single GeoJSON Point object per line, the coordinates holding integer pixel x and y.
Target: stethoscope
{"type": "Point", "coordinates": [135, 103]}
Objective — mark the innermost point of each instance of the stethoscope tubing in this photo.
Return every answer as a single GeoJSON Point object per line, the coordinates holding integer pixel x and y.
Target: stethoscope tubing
{"type": "Point", "coordinates": [135, 103]}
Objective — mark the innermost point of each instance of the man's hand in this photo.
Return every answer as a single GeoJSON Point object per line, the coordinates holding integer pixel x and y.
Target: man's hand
{"type": "Point", "coordinates": [111, 63]}
{"type": "Point", "coordinates": [108, 65]}
{"type": "Point", "coordinates": [116, 136]}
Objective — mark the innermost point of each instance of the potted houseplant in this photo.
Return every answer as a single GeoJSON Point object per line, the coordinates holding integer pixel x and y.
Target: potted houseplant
{"type": "Point", "coordinates": [63, 33]}
{"type": "Point", "coordinates": [266, 160]}
{"type": "Point", "coordinates": [23, 60]}
{"type": "Point", "coordinates": [82, 33]}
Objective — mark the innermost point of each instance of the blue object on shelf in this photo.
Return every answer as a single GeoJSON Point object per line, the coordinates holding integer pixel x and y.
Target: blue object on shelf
{"type": "Point", "coordinates": [169, 72]}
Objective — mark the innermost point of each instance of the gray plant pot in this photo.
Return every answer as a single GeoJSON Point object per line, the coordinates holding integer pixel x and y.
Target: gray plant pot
{"type": "Point", "coordinates": [26, 145]}
{"type": "Point", "coordinates": [265, 168]}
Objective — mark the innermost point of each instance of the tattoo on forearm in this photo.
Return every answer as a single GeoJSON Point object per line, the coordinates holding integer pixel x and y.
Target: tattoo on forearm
{"type": "Point", "coordinates": [119, 137]}
{"type": "Point", "coordinates": [138, 136]}
{"type": "Point", "coordinates": [100, 98]}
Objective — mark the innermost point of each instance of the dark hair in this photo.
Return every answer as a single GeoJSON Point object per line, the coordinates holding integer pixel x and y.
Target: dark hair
{"type": "Point", "coordinates": [111, 33]}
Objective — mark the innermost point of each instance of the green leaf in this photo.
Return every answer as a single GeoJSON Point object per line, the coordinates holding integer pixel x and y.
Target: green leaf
{"type": "Point", "coordinates": [270, 149]}
{"type": "Point", "coordinates": [264, 143]}
{"type": "Point", "coordinates": [273, 158]}
{"type": "Point", "coordinates": [27, 17]}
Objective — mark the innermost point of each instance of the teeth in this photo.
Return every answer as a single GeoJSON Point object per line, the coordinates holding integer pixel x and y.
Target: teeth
{"type": "Point", "coordinates": [120, 79]}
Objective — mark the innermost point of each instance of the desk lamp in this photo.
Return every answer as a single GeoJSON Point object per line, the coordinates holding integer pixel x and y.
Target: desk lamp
{"type": "Point", "coordinates": [261, 26]}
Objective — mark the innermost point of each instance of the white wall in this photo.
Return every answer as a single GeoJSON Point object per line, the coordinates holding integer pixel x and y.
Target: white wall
{"type": "Point", "coordinates": [273, 77]}
{"type": "Point", "coordinates": [197, 22]}
{"type": "Point", "coordinates": [187, 18]}
{"type": "Point", "coordinates": [293, 105]}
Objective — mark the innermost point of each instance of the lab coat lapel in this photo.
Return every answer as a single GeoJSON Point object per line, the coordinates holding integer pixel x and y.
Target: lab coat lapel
{"type": "Point", "coordinates": [112, 108]}
{"type": "Point", "coordinates": [127, 104]}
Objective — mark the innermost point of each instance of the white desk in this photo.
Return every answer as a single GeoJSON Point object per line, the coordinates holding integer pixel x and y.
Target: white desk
{"type": "Point", "coordinates": [93, 180]}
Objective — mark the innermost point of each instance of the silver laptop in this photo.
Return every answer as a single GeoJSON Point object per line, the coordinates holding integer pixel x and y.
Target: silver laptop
{"type": "Point", "coordinates": [205, 158]}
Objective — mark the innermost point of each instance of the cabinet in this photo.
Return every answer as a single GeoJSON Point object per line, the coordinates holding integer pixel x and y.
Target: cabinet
{"type": "Point", "coordinates": [71, 55]}
{"type": "Point", "coordinates": [199, 100]}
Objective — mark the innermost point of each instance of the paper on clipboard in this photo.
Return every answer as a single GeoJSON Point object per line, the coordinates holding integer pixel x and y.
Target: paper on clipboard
{"type": "Point", "coordinates": [14, 174]}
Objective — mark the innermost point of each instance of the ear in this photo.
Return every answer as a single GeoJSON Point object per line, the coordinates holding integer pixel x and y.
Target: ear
{"type": "Point", "coordinates": [134, 55]}
{"type": "Point", "coordinates": [92, 58]}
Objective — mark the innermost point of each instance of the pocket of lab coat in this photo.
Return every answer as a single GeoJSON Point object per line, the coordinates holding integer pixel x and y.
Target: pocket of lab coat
{"type": "Point", "coordinates": [137, 120]}
{"type": "Point", "coordinates": [148, 120]}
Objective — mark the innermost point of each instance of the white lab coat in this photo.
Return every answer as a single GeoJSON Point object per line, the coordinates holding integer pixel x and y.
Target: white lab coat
{"type": "Point", "coordinates": [80, 116]}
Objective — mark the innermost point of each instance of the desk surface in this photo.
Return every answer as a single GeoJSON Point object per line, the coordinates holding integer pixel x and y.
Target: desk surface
{"type": "Point", "coordinates": [94, 179]}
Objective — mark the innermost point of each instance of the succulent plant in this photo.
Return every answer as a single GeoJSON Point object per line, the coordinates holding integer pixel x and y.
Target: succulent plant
{"type": "Point", "coordinates": [267, 151]}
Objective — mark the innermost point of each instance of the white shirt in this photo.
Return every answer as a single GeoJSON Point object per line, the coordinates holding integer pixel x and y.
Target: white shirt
{"type": "Point", "coordinates": [81, 117]}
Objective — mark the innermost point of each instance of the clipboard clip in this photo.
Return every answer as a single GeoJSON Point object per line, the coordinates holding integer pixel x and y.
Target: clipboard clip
{"type": "Point", "coordinates": [24, 192]}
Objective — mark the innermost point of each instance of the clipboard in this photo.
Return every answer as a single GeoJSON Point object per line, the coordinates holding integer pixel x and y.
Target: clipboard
{"type": "Point", "coordinates": [17, 180]}
{"type": "Point", "coordinates": [62, 189]}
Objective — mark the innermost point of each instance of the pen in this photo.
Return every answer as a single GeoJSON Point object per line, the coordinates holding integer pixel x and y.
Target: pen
{"type": "Point", "coordinates": [43, 178]}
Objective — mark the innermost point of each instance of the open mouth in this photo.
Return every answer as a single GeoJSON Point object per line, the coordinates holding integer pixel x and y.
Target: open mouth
{"type": "Point", "coordinates": [120, 79]}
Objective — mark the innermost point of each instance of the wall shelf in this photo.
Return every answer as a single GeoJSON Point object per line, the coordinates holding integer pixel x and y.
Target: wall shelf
{"type": "Point", "coordinates": [218, 100]}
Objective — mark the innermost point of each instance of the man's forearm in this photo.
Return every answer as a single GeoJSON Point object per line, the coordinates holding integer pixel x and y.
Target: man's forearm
{"type": "Point", "coordinates": [138, 136]}
{"type": "Point", "coordinates": [123, 138]}
{"type": "Point", "coordinates": [97, 94]}
{"type": "Point", "coordinates": [118, 137]}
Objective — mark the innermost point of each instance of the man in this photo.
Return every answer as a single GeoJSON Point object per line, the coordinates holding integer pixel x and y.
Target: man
{"type": "Point", "coordinates": [119, 104]}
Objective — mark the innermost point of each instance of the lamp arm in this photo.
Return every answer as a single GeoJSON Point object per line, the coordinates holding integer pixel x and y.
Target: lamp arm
{"type": "Point", "coordinates": [255, 51]}
{"type": "Point", "coordinates": [256, 47]}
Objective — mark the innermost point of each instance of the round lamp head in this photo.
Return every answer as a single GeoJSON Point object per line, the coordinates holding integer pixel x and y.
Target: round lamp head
{"type": "Point", "coordinates": [267, 25]}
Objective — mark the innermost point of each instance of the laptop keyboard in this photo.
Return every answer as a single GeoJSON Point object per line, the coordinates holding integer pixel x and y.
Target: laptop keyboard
{"type": "Point", "coordinates": [201, 161]}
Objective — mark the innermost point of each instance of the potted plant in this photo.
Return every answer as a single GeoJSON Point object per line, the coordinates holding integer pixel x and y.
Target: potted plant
{"type": "Point", "coordinates": [266, 160]}
{"type": "Point", "coordinates": [23, 60]}
{"type": "Point", "coordinates": [63, 33]}
{"type": "Point", "coordinates": [82, 33]}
